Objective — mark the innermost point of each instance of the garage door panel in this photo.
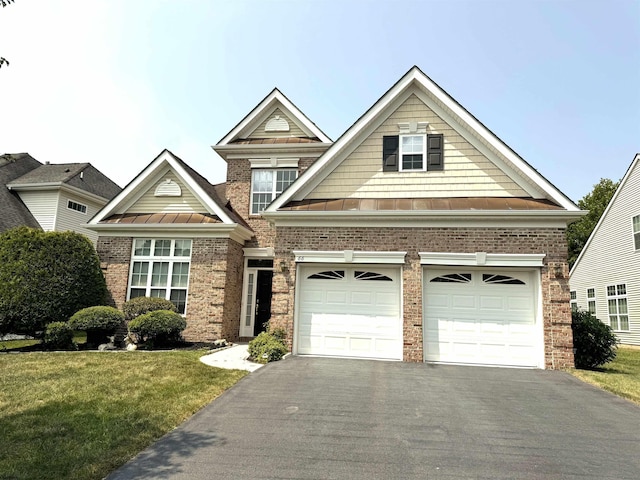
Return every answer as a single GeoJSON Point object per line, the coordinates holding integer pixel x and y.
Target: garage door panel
{"type": "Point", "coordinates": [479, 319]}
{"type": "Point", "coordinates": [356, 315]}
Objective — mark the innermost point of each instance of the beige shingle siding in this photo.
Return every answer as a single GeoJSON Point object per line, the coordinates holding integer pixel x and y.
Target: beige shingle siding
{"type": "Point", "coordinates": [611, 259]}
{"type": "Point", "coordinates": [67, 219]}
{"type": "Point", "coordinates": [294, 130]}
{"type": "Point", "coordinates": [149, 203]}
{"type": "Point", "coordinates": [467, 173]}
{"type": "Point", "coordinates": [43, 206]}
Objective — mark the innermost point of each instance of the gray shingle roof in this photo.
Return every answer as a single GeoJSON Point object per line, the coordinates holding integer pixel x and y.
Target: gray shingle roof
{"type": "Point", "coordinates": [13, 212]}
{"type": "Point", "coordinates": [80, 175]}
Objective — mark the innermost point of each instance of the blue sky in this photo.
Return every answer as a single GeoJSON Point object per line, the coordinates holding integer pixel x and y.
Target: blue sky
{"type": "Point", "coordinates": [115, 82]}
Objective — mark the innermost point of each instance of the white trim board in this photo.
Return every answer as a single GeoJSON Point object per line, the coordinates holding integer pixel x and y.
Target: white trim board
{"type": "Point", "coordinates": [482, 259]}
{"type": "Point", "coordinates": [348, 256]}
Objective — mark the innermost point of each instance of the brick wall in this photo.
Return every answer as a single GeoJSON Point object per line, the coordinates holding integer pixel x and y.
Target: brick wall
{"type": "Point", "coordinates": [556, 314]}
{"type": "Point", "coordinates": [215, 284]}
{"type": "Point", "coordinates": [238, 191]}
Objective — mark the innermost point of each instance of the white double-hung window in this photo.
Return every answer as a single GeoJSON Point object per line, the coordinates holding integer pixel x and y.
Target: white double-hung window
{"type": "Point", "coordinates": [266, 185]}
{"type": "Point", "coordinates": [160, 268]}
{"type": "Point", "coordinates": [412, 152]}
{"type": "Point", "coordinates": [617, 302]}
{"type": "Point", "coordinates": [636, 232]}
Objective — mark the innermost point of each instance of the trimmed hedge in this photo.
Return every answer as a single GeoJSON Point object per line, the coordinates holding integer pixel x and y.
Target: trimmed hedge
{"type": "Point", "coordinates": [97, 318]}
{"type": "Point", "coordinates": [266, 347]}
{"type": "Point", "coordinates": [140, 305]}
{"type": "Point", "coordinates": [158, 328]}
{"type": "Point", "coordinates": [46, 277]}
{"type": "Point", "coordinates": [58, 336]}
{"type": "Point", "coordinates": [593, 341]}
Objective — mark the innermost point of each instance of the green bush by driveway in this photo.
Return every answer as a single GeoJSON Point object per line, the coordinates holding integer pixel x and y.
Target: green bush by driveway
{"type": "Point", "coordinates": [80, 415]}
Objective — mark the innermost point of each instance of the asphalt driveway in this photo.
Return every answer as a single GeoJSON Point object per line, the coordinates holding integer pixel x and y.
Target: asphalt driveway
{"type": "Point", "coordinates": [320, 418]}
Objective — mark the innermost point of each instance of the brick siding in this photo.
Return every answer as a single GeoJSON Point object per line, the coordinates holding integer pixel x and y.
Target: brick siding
{"type": "Point", "coordinates": [556, 314]}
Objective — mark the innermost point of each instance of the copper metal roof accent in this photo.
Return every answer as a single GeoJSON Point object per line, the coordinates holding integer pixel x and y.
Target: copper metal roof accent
{"type": "Point", "coordinates": [164, 218]}
{"type": "Point", "coordinates": [276, 140]}
{"type": "Point", "coordinates": [407, 204]}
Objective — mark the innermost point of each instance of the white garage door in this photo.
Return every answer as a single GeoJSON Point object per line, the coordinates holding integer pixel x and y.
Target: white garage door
{"type": "Point", "coordinates": [349, 312]}
{"type": "Point", "coordinates": [484, 317]}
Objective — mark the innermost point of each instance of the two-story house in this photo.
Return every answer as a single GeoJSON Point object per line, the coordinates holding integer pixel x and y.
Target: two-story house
{"type": "Point", "coordinates": [418, 235]}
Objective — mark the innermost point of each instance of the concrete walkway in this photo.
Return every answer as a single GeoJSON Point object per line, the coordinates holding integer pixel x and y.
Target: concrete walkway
{"type": "Point", "coordinates": [322, 418]}
{"type": "Point", "coordinates": [234, 358]}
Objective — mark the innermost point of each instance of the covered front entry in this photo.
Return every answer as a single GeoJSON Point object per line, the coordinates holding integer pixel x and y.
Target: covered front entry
{"type": "Point", "coordinates": [257, 290]}
{"type": "Point", "coordinates": [349, 311]}
{"type": "Point", "coordinates": [484, 316]}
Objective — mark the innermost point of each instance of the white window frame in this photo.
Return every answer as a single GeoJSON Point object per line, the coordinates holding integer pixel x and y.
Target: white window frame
{"type": "Point", "coordinates": [151, 259]}
{"type": "Point", "coordinates": [401, 153]}
{"type": "Point", "coordinates": [635, 221]}
{"type": "Point", "coordinates": [591, 300]}
{"type": "Point", "coordinates": [617, 295]}
{"type": "Point", "coordinates": [76, 207]}
{"type": "Point", "coordinates": [274, 192]}
{"type": "Point", "coordinates": [574, 300]}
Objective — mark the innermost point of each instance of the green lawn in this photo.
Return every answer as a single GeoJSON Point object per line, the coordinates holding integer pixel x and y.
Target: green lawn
{"type": "Point", "coordinates": [6, 345]}
{"type": "Point", "coordinates": [621, 376]}
{"type": "Point", "coordinates": [79, 415]}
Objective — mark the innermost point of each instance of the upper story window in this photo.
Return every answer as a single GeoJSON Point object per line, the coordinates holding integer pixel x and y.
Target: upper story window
{"type": "Point", "coordinates": [266, 185]}
{"type": "Point", "coordinates": [574, 300]}
{"type": "Point", "coordinates": [617, 303]}
{"type": "Point", "coordinates": [160, 268]}
{"type": "Point", "coordinates": [78, 207]}
{"type": "Point", "coordinates": [591, 300]}
{"type": "Point", "coordinates": [636, 232]}
{"type": "Point", "coordinates": [411, 153]}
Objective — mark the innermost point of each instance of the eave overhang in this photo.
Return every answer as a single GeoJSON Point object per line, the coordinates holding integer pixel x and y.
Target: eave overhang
{"type": "Point", "coordinates": [243, 150]}
{"type": "Point", "coordinates": [234, 231]}
{"type": "Point", "coordinates": [431, 218]}
{"type": "Point", "coordinates": [32, 187]}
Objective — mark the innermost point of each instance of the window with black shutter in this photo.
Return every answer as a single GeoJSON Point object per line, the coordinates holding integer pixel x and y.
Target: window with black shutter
{"type": "Point", "coordinates": [408, 152]}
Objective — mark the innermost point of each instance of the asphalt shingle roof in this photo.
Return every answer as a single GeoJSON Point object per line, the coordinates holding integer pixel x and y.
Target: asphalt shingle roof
{"type": "Point", "coordinates": [13, 212]}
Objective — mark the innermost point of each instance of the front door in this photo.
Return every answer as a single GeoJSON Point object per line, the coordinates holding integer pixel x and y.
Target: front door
{"type": "Point", "coordinates": [256, 305]}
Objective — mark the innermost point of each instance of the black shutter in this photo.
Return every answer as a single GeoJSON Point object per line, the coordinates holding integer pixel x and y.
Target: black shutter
{"type": "Point", "coordinates": [435, 152]}
{"type": "Point", "coordinates": [390, 146]}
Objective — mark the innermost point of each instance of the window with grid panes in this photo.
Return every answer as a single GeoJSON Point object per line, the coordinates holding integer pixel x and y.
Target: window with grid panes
{"type": "Point", "coordinates": [591, 300]}
{"type": "Point", "coordinates": [574, 300]}
{"type": "Point", "coordinates": [266, 185]}
{"type": "Point", "coordinates": [617, 303]}
{"type": "Point", "coordinates": [160, 268]}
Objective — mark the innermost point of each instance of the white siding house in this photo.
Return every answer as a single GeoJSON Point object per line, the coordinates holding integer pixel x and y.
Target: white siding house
{"type": "Point", "coordinates": [606, 276]}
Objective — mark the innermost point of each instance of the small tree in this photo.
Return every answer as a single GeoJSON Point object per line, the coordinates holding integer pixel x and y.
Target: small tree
{"type": "Point", "coordinates": [593, 341]}
{"type": "Point", "coordinates": [46, 277]}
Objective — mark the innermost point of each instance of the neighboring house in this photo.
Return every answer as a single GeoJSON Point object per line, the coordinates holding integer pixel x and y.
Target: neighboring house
{"type": "Point", "coordinates": [56, 197]}
{"type": "Point", "coordinates": [605, 279]}
{"type": "Point", "coordinates": [418, 235]}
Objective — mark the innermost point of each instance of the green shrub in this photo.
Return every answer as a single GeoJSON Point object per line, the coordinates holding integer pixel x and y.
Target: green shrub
{"type": "Point", "coordinates": [98, 322]}
{"type": "Point", "coordinates": [157, 328]}
{"type": "Point", "coordinates": [141, 305]}
{"type": "Point", "coordinates": [594, 342]}
{"type": "Point", "coordinates": [58, 336]}
{"type": "Point", "coordinates": [46, 277]}
{"type": "Point", "coordinates": [266, 347]}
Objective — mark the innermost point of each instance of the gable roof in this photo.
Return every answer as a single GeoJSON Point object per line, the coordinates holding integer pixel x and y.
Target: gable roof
{"type": "Point", "coordinates": [14, 212]}
{"type": "Point", "coordinates": [635, 163]}
{"type": "Point", "coordinates": [416, 82]}
{"type": "Point", "coordinates": [218, 215]}
{"type": "Point", "coordinates": [81, 176]}
{"type": "Point", "coordinates": [273, 100]}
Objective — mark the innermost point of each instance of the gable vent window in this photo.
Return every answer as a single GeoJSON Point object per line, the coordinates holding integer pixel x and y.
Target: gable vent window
{"type": "Point", "coordinates": [78, 207]}
{"type": "Point", "coordinates": [411, 153]}
{"type": "Point", "coordinates": [277, 124]}
{"type": "Point", "coordinates": [266, 185]}
{"type": "Point", "coordinates": [636, 232]}
{"type": "Point", "coordinates": [168, 188]}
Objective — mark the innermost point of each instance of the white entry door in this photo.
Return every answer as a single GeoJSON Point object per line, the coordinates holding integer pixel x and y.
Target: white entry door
{"type": "Point", "coordinates": [349, 311]}
{"type": "Point", "coordinates": [481, 316]}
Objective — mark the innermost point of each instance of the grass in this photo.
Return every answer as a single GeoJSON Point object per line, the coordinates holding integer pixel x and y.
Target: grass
{"type": "Point", "coordinates": [621, 376]}
{"type": "Point", "coordinates": [7, 345]}
{"type": "Point", "coordinates": [80, 415]}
